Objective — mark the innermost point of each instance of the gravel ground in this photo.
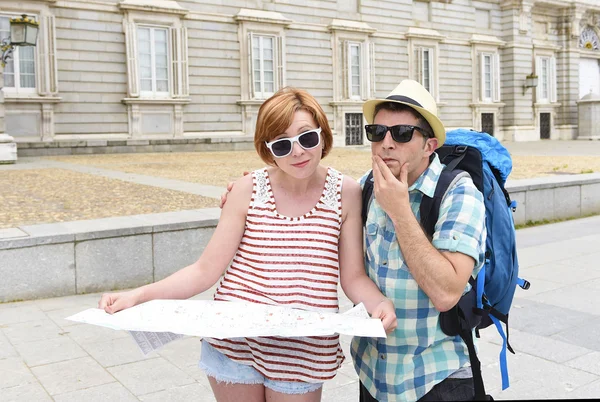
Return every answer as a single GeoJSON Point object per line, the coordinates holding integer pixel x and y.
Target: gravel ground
{"type": "Point", "coordinates": [218, 168]}
{"type": "Point", "coordinates": [58, 195]}
{"type": "Point", "coordinates": [30, 197]}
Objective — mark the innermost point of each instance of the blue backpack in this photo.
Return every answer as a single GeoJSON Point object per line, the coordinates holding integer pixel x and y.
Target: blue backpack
{"type": "Point", "coordinates": [488, 302]}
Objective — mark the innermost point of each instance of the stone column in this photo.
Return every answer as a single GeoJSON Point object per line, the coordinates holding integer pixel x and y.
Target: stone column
{"type": "Point", "coordinates": [516, 55]}
{"type": "Point", "coordinates": [8, 147]}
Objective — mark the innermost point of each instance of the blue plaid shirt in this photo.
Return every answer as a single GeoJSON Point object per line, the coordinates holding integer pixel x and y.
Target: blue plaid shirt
{"type": "Point", "coordinates": [417, 355]}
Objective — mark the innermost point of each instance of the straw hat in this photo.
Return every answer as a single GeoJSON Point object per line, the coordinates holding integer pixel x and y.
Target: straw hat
{"type": "Point", "coordinates": [415, 96]}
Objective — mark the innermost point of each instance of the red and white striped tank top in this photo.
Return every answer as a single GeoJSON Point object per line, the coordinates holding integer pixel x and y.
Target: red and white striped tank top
{"type": "Point", "coordinates": [289, 262]}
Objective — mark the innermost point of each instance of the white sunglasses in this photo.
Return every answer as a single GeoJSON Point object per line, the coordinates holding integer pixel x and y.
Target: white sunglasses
{"type": "Point", "coordinates": [283, 147]}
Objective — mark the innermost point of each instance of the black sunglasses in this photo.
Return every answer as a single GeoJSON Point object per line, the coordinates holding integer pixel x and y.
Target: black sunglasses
{"type": "Point", "coordinates": [400, 133]}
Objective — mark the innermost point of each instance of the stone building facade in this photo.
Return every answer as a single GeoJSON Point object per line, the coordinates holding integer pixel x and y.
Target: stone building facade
{"type": "Point", "coordinates": [139, 70]}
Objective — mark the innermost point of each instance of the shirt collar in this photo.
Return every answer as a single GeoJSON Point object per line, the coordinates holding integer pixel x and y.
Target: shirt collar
{"type": "Point", "coordinates": [428, 180]}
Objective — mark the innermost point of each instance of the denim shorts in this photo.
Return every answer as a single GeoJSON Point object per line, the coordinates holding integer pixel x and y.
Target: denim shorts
{"type": "Point", "coordinates": [215, 364]}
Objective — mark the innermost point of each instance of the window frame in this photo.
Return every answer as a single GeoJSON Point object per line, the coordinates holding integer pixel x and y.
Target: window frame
{"type": "Point", "coordinates": [419, 73]}
{"type": "Point", "coordinates": [15, 60]}
{"type": "Point", "coordinates": [154, 93]}
{"type": "Point", "coordinates": [262, 93]}
{"type": "Point", "coordinates": [494, 77]}
{"type": "Point", "coordinates": [351, 94]}
{"type": "Point", "coordinates": [546, 91]}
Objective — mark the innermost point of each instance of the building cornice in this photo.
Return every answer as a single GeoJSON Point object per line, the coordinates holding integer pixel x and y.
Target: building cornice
{"type": "Point", "coordinates": [260, 16]}
{"type": "Point", "coordinates": [353, 26]}
{"type": "Point", "coordinates": [156, 101]}
{"type": "Point", "coordinates": [154, 6]}
{"type": "Point", "coordinates": [486, 40]}
{"type": "Point", "coordinates": [10, 98]}
{"type": "Point", "coordinates": [423, 33]}
{"type": "Point", "coordinates": [538, 44]}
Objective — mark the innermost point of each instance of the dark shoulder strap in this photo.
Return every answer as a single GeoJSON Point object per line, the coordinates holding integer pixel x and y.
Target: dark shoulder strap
{"type": "Point", "coordinates": [367, 195]}
{"type": "Point", "coordinates": [430, 207]}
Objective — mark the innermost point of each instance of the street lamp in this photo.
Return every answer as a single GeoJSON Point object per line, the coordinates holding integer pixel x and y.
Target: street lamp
{"type": "Point", "coordinates": [23, 32]}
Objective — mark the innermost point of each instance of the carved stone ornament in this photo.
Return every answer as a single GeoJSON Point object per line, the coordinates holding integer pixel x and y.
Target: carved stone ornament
{"type": "Point", "coordinates": [589, 39]}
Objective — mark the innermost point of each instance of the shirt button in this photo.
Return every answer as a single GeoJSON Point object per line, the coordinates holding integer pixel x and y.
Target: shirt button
{"type": "Point", "coordinates": [384, 263]}
{"type": "Point", "coordinates": [382, 356]}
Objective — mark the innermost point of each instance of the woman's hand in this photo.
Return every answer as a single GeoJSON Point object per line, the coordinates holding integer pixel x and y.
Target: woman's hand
{"type": "Point", "coordinates": [386, 311]}
{"type": "Point", "coordinates": [113, 302]}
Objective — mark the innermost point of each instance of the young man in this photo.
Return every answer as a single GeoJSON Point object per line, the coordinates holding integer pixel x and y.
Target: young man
{"type": "Point", "coordinates": [422, 276]}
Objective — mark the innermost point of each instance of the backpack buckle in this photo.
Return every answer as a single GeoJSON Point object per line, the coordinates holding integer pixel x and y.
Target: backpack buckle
{"type": "Point", "coordinates": [460, 149]}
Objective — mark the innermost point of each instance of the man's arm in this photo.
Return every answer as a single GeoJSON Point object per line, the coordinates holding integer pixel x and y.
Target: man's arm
{"type": "Point", "coordinates": [442, 275]}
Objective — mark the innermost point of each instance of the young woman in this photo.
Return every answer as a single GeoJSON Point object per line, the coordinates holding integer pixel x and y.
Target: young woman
{"type": "Point", "coordinates": [287, 234]}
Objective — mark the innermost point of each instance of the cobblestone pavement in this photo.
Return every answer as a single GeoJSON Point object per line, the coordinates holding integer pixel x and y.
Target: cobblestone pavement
{"type": "Point", "coordinates": [96, 186]}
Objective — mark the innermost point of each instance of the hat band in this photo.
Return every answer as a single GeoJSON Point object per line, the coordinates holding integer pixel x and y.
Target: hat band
{"type": "Point", "coordinates": [404, 99]}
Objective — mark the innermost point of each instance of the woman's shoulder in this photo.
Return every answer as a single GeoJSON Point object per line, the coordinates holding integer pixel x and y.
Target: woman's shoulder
{"type": "Point", "coordinates": [243, 185]}
{"type": "Point", "coordinates": [350, 184]}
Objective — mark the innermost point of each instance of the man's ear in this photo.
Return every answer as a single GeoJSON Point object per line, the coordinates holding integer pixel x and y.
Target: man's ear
{"type": "Point", "coordinates": [430, 146]}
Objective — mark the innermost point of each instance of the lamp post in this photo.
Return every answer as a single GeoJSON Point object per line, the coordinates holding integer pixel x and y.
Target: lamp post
{"type": "Point", "coordinates": [23, 32]}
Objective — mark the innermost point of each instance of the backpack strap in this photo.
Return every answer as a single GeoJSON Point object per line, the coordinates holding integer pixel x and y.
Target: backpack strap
{"type": "Point", "coordinates": [429, 209]}
{"type": "Point", "coordinates": [367, 197]}
{"type": "Point", "coordinates": [455, 318]}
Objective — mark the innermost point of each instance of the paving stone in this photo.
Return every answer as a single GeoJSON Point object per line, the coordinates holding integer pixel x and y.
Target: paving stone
{"type": "Point", "coordinates": [587, 391]}
{"type": "Point", "coordinates": [573, 297]}
{"type": "Point", "coordinates": [49, 351]}
{"type": "Point", "coordinates": [542, 319]}
{"type": "Point", "coordinates": [71, 375]}
{"type": "Point", "coordinates": [525, 389]}
{"type": "Point", "coordinates": [340, 380]}
{"type": "Point", "coordinates": [562, 273]}
{"type": "Point", "coordinates": [101, 393]}
{"type": "Point", "coordinates": [12, 232]}
{"type": "Point", "coordinates": [150, 376]}
{"type": "Point", "coordinates": [19, 312]}
{"type": "Point", "coordinates": [536, 345]}
{"type": "Point", "coordinates": [538, 286]}
{"type": "Point", "coordinates": [13, 373]}
{"type": "Point", "coordinates": [585, 334]}
{"type": "Point", "coordinates": [589, 362]}
{"type": "Point", "coordinates": [59, 316]}
{"type": "Point", "coordinates": [345, 393]}
{"type": "Point", "coordinates": [563, 251]}
{"type": "Point", "coordinates": [116, 352]}
{"type": "Point", "coordinates": [184, 353]}
{"type": "Point", "coordinates": [6, 349]}
{"type": "Point", "coordinates": [191, 392]}
{"type": "Point", "coordinates": [32, 331]}
{"type": "Point", "coordinates": [25, 392]}
{"type": "Point", "coordinates": [539, 370]}
{"type": "Point", "coordinates": [85, 333]}
{"type": "Point", "coordinates": [89, 300]}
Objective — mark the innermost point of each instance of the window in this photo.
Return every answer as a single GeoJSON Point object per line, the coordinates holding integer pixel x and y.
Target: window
{"type": "Point", "coordinates": [19, 72]}
{"type": "Point", "coordinates": [153, 61]}
{"type": "Point", "coordinates": [354, 128]}
{"type": "Point", "coordinates": [489, 70]}
{"type": "Point", "coordinates": [357, 74]}
{"type": "Point", "coordinates": [354, 71]}
{"type": "Point", "coordinates": [423, 58]}
{"type": "Point", "coordinates": [546, 72]}
{"type": "Point", "coordinates": [263, 65]}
